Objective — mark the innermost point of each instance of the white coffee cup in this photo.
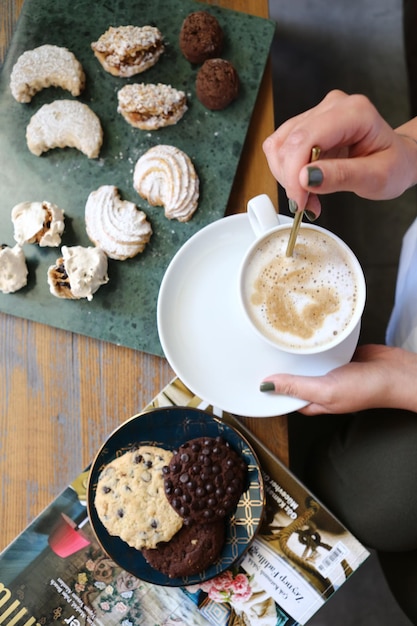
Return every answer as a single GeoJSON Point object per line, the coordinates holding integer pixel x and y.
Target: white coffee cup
{"type": "Point", "coordinates": [307, 303]}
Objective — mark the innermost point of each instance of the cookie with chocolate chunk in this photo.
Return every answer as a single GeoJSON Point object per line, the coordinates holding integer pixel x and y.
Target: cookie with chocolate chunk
{"type": "Point", "coordinates": [130, 499]}
{"type": "Point", "coordinates": [205, 479]}
{"type": "Point", "coordinates": [192, 550]}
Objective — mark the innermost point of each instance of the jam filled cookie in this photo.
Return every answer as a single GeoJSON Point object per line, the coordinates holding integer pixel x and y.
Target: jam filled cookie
{"type": "Point", "coordinates": [149, 106]}
{"type": "Point", "coordinates": [128, 50]}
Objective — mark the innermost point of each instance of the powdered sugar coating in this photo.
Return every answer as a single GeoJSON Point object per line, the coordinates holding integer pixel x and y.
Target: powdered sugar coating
{"type": "Point", "coordinates": [46, 66]}
{"type": "Point", "coordinates": [117, 226]}
{"type": "Point", "coordinates": [128, 50]}
{"type": "Point", "coordinates": [165, 176]}
{"type": "Point", "coordinates": [151, 106]}
{"type": "Point", "coordinates": [65, 123]}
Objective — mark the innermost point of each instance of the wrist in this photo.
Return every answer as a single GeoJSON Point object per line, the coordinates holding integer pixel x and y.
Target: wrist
{"type": "Point", "coordinates": [409, 142]}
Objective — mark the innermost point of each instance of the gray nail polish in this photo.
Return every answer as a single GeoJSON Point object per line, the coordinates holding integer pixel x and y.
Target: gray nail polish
{"type": "Point", "coordinates": [267, 386]}
{"type": "Point", "coordinates": [315, 176]}
{"type": "Point", "coordinates": [293, 206]}
{"type": "Point", "coordinates": [310, 215]}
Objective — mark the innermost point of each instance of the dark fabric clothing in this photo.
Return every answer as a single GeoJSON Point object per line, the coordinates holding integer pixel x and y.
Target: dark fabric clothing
{"type": "Point", "coordinates": [366, 473]}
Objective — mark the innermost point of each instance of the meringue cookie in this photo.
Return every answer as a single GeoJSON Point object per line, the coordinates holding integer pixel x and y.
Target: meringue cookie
{"type": "Point", "coordinates": [165, 176]}
{"type": "Point", "coordinates": [13, 269]}
{"type": "Point", "coordinates": [116, 226]}
{"type": "Point", "coordinates": [79, 273]}
{"type": "Point", "coordinates": [38, 222]}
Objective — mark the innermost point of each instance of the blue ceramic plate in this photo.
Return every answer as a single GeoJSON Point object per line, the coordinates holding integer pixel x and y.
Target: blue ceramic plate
{"type": "Point", "coordinates": [169, 428]}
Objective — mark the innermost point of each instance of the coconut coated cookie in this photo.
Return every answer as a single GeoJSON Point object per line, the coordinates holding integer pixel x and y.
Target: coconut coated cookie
{"type": "Point", "coordinates": [128, 50]}
{"type": "Point", "coordinates": [46, 66]}
{"type": "Point", "coordinates": [151, 106]}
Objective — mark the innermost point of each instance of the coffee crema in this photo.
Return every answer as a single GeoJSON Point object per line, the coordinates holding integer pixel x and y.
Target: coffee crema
{"type": "Point", "coordinates": [304, 301]}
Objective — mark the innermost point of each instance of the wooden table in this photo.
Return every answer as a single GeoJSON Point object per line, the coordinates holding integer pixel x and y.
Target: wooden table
{"type": "Point", "coordinates": [61, 394]}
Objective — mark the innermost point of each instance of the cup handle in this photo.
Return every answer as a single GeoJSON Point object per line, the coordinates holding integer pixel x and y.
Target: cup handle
{"type": "Point", "coordinates": [262, 214]}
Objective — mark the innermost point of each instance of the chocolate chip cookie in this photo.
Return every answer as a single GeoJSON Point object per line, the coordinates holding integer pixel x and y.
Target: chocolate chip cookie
{"type": "Point", "coordinates": [130, 499]}
{"type": "Point", "coordinates": [205, 479]}
{"type": "Point", "coordinates": [190, 551]}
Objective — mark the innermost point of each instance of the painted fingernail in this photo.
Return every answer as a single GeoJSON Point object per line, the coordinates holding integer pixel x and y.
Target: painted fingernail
{"type": "Point", "coordinates": [267, 386]}
{"type": "Point", "coordinates": [293, 206]}
{"type": "Point", "coordinates": [310, 215]}
{"type": "Point", "coordinates": [315, 176]}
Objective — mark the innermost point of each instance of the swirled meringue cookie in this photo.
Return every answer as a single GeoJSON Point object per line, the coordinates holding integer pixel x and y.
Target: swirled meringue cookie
{"type": "Point", "coordinates": [13, 269]}
{"type": "Point", "coordinates": [128, 50]}
{"type": "Point", "coordinates": [165, 176]}
{"type": "Point", "coordinates": [149, 106]}
{"type": "Point", "coordinates": [38, 222]}
{"type": "Point", "coordinates": [78, 273]}
{"type": "Point", "coordinates": [65, 124]}
{"type": "Point", "coordinates": [46, 66]}
{"type": "Point", "coordinates": [116, 226]}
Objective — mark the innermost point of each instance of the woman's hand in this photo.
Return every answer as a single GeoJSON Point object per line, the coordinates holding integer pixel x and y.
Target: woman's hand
{"type": "Point", "coordinates": [378, 376]}
{"type": "Point", "coordinates": [360, 152]}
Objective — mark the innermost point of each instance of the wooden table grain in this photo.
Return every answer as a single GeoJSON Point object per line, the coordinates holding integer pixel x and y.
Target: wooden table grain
{"type": "Point", "coordinates": [61, 394]}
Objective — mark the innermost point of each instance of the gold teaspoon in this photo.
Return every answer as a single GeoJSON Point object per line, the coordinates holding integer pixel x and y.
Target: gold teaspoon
{"type": "Point", "coordinates": [315, 154]}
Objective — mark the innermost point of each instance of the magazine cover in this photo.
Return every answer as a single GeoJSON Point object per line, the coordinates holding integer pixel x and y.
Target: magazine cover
{"type": "Point", "coordinates": [56, 573]}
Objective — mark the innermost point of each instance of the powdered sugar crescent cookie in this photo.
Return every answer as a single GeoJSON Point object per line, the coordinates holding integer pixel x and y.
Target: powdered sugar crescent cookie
{"type": "Point", "coordinates": [46, 66]}
{"type": "Point", "coordinates": [165, 176]}
{"type": "Point", "coordinates": [38, 222]}
{"type": "Point", "coordinates": [13, 269]}
{"type": "Point", "coordinates": [78, 273]}
{"type": "Point", "coordinates": [65, 124]}
{"type": "Point", "coordinates": [130, 499]}
{"type": "Point", "coordinates": [128, 50]}
{"type": "Point", "coordinates": [117, 226]}
{"type": "Point", "coordinates": [149, 106]}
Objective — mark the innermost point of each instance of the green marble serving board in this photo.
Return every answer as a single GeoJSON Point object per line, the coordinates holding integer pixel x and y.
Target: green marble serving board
{"type": "Point", "coordinates": [124, 310]}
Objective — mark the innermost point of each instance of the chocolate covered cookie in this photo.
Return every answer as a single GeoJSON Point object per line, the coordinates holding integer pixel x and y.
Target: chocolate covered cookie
{"type": "Point", "coordinates": [192, 550]}
{"type": "Point", "coordinates": [205, 479]}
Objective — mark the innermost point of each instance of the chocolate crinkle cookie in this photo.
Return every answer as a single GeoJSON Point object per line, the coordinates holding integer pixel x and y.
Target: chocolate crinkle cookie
{"type": "Point", "coordinates": [217, 84]}
{"type": "Point", "coordinates": [201, 37]}
{"type": "Point", "coordinates": [205, 479]}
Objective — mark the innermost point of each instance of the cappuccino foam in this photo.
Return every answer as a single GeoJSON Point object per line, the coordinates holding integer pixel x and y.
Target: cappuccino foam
{"type": "Point", "coordinates": [304, 301]}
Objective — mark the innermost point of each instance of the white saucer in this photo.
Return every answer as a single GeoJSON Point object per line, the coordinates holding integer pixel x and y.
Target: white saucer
{"type": "Point", "coordinates": [206, 338]}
